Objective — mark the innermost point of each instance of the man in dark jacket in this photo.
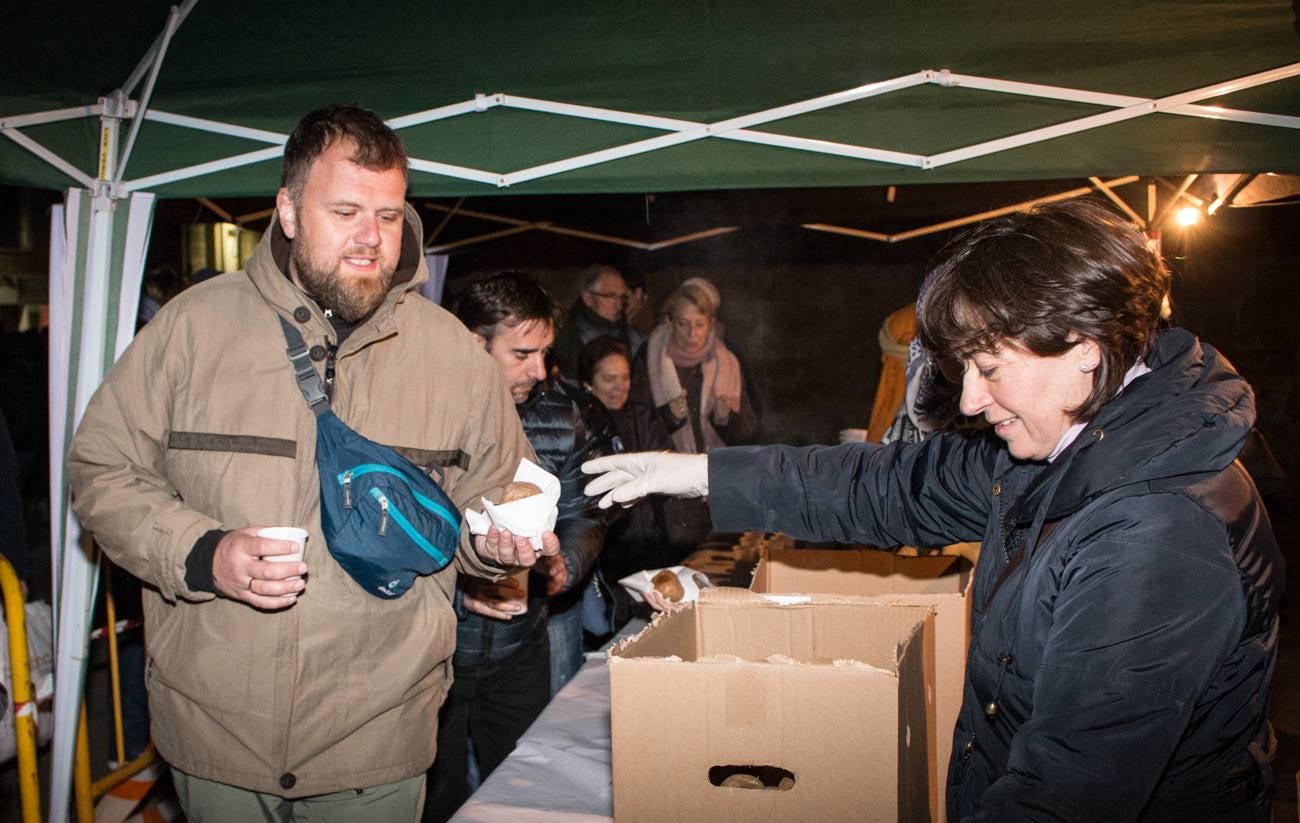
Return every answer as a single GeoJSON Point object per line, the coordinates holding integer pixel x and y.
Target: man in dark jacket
{"type": "Point", "coordinates": [600, 310]}
{"type": "Point", "coordinates": [512, 654]}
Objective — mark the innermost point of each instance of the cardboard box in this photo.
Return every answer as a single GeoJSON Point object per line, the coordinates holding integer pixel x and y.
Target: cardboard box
{"type": "Point", "coordinates": [939, 581]}
{"type": "Point", "coordinates": [833, 695]}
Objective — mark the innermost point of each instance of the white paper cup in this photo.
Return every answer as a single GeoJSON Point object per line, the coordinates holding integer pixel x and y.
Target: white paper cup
{"type": "Point", "coordinates": [290, 533]}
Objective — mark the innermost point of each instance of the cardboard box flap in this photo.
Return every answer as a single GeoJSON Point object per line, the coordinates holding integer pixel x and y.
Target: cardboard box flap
{"type": "Point", "coordinates": [664, 638]}
{"type": "Point", "coordinates": [857, 572]}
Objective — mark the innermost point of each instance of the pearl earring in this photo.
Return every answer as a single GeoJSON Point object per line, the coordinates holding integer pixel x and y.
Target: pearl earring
{"type": "Point", "coordinates": [1087, 367]}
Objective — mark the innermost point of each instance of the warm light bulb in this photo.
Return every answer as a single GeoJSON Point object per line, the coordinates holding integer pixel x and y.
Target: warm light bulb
{"type": "Point", "coordinates": [1188, 216]}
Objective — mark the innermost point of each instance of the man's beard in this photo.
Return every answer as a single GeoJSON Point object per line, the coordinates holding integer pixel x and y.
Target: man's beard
{"type": "Point", "coordinates": [352, 298]}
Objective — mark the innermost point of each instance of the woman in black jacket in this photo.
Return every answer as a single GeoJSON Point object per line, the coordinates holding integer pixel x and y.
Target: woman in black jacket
{"type": "Point", "coordinates": [642, 538]}
{"type": "Point", "coordinates": [1124, 614]}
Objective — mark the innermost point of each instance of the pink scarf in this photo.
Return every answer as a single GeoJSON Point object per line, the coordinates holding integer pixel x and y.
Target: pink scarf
{"type": "Point", "coordinates": [721, 380]}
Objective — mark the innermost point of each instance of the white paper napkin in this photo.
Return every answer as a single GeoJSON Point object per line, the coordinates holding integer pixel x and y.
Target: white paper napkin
{"type": "Point", "coordinates": [638, 582]}
{"type": "Point", "coordinates": [528, 517]}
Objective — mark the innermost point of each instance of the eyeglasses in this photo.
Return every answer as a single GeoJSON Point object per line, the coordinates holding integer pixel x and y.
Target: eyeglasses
{"type": "Point", "coordinates": [620, 296]}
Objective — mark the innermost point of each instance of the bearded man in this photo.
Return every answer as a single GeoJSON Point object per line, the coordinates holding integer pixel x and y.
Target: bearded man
{"type": "Point", "coordinates": [283, 690]}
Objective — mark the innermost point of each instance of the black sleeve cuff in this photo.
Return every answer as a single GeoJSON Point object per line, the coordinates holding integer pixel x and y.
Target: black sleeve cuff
{"type": "Point", "coordinates": [198, 566]}
{"type": "Point", "coordinates": [671, 422]}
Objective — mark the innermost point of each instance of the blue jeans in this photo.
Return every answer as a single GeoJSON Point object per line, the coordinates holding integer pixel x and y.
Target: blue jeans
{"type": "Point", "coordinates": [488, 708]}
{"type": "Point", "coordinates": [565, 631]}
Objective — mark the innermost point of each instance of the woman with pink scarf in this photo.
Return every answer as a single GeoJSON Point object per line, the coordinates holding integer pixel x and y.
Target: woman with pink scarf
{"type": "Point", "coordinates": [695, 381]}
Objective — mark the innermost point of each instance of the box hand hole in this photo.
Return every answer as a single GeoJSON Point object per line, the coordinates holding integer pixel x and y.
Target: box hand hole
{"type": "Point", "coordinates": [752, 777]}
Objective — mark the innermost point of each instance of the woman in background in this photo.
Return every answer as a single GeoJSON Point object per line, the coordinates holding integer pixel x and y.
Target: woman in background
{"type": "Point", "coordinates": [640, 538]}
{"type": "Point", "coordinates": [694, 381]}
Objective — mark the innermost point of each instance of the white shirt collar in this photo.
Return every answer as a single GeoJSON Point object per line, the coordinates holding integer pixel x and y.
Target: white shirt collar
{"type": "Point", "coordinates": [1139, 368]}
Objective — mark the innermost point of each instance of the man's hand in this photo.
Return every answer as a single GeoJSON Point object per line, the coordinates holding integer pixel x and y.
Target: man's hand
{"type": "Point", "coordinates": [557, 573]}
{"type": "Point", "coordinates": [500, 600]}
{"type": "Point", "coordinates": [626, 478]}
{"type": "Point", "coordinates": [240, 573]}
{"type": "Point", "coordinates": [507, 550]}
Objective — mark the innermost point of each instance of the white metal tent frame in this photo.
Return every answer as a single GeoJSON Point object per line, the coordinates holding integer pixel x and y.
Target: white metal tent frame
{"type": "Point", "coordinates": [677, 132]}
{"type": "Point", "coordinates": [75, 572]}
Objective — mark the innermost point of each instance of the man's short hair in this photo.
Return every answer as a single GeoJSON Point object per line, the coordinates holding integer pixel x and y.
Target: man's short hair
{"type": "Point", "coordinates": [374, 145]}
{"type": "Point", "coordinates": [506, 299]}
{"type": "Point", "coordinates": [592, 273]}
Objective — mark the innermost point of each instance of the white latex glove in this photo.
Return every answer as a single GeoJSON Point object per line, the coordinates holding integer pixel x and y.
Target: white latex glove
{"type": "Point", "coordinates": [626, 478]}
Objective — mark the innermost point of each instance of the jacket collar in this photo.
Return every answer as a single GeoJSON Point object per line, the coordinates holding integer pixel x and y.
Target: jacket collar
{"type": "Point", "coordinates": [1188, 416]}
{"type": "Point", "coordinates": [268, 268]}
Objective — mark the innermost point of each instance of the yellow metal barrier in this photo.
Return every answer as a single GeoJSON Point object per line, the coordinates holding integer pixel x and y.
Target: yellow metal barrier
{"type": "Point", "coordinates": [114, 667]}
{"type": "Point", "coordinates": [117, 777]}
{"type": "Point", "coordinates": [84, 805]}
{"type": "Point", "coordinates": [24, 706]}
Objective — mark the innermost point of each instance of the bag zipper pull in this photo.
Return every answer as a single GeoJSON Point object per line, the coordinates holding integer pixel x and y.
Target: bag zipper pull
{"type": "Point", "coordinates": [347, 489]}
{"type": "Point", "coordinates": [383, 515]}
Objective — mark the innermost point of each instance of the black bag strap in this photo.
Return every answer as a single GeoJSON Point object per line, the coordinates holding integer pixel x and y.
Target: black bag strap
{"type": "Point", "coordinates": [309, 382]}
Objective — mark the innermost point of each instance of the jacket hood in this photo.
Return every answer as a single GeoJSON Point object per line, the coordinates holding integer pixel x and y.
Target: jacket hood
{"type": "Point", "coordinates": [1188, 416]}
{"type": "Point", "coordinates": [269, 266]}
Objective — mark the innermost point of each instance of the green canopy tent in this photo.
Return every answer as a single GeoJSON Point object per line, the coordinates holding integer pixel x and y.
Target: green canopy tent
{"type": "Point", "coordinates": [125, 102]}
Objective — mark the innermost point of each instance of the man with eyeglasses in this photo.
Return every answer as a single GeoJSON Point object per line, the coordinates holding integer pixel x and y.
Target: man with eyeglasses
{"type": "Point", "coordinates": [600, 310]}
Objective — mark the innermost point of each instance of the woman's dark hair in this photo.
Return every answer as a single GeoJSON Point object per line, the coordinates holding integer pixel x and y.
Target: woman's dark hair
{"type": "Point", "coordinates": [506, 299]}
{"type": "Point", "coordinates": [374, 145]}
{"type": "Point", "coordinates": [596, 350]}
{"type": "Point", "coordinates": [1042, 279]}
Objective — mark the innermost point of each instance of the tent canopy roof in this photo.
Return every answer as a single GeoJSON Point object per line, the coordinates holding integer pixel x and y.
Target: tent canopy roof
{"type": "Point", "coordinates": [262, 65]}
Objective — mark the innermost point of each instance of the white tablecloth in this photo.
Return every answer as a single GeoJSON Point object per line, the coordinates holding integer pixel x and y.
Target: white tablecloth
{"type": "Point", "coordinates": [560, 770]}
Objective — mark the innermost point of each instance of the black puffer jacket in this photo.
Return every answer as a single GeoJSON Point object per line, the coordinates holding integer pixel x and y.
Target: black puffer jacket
{"type": "Point", "coordinates": [556, 422]}
{"type": "Point", "coordinates": [1125, 651]}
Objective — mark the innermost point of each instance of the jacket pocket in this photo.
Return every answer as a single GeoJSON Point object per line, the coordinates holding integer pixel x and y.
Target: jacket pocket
{"type": "Point", "coordinates": [235, 478]}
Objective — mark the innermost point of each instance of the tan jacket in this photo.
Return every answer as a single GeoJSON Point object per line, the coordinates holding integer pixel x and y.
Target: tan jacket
{"type": "Point", "coordinates": [201, 426]}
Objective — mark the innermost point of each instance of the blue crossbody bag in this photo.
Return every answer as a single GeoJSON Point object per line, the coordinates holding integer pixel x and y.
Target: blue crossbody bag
{"type": "Point", "coordinates": [385, 521]}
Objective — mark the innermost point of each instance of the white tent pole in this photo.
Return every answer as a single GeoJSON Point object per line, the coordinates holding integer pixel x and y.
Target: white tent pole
{"type": "Point", "coordinates": [1159, 219]}
{"type": "Point", "coordinates": [1230, 191]}
{"type": "Point", "coordinates": [1105, 189]}
{"type": "Point", "coordinates": [953, 79]}
{"type": "Point", "coordinates": [847, 232]}
{"type": "Point", "coordinates": [79, 570]}
{"type": "Point", "coordinates": [968, 219]}
{"type": "Point", "coordinates": [39, 118]}
{"type": "Point", "coordinates": [215, 127]}
{"type": "Point", "coordinates": [64, 242]}
{"type": "Point", "coordinates": [105, 283]}
{"type": "Point", "coordinates": [49, 157]}
{"type": "Point", "coordinates": [480, 103]}
{"type": "Point", "coordinates": [158, 45]}
{"type": "Point", "coordinates": [719, 128]}
{"type": "Point", "coordinates": [160, 52]}
{"type": "Point", "coordinates": [200, 169]}
{"type": "Point", "coordinates": [458, 172]}
{"type": "Point", "coordinates": [1182, 193]}
{"type": "Point", "coordinates": [1141, 109]}
{"type": "Point", "coordinates": [741, 135]}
